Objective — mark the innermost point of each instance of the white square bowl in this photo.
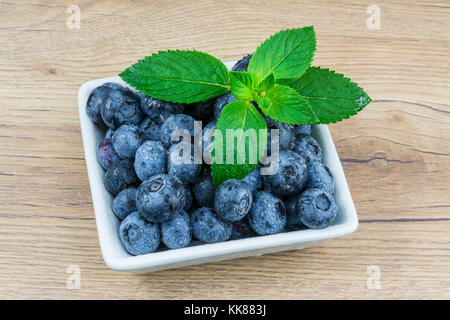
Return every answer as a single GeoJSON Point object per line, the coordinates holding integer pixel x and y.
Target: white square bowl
{"type": "Point", "coordinates": [108, 225]}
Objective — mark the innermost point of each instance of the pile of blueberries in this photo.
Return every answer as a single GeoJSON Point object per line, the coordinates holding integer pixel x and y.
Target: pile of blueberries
{"type": "Point", "coordinates": [158, 200]}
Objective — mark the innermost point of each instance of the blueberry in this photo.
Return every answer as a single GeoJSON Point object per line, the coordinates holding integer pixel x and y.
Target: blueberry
{"type": "Point", "coordinates": [113, 85]}
{"type": "Point", "coordinates": [201, 110]}
{"type": "Point", "coordinates": [254, 180]}
{"type": "Point", "coordinates": [150, 105]}
{"type": "Point", "coordinates": [208, 227]}
{"type": "Point", "coordinates": [241, 230]}
{"type": "Point", "coordinates": [120, 175]}
{"type": "Point", "coordinates": [204, 190]}
{"type": "Point", "coordinates": [106, 155]}
{"type": "Point", "coordinates": [189, 199]}
{"type": "Point", "coordinates": [319, 176]}
{"type": "Point", "coordinates": [139, 236]}
{"type": "Point", "coordinates": [207, 136]}
{"type": "Point", "coordinates": [121, 106]}
{"type": "Point", "coordinates": [291, 175]}
{"type": "Point", "coordinates": [221, 102]}
{"type": "Point", "coordinates": [126, 140]}
{"type": "Point", "coordinates": [286, 134]}
{"type": "Point", "coordinates": [242, 64]}
{"type": "Point", "coordinates": [173, 123]}
{"type": "Point", "coordinates": [293, 220]}
{"type": "Point", "coordinates": [95, 103]}
{"type": "Point", "coordinates": [109, 134]}
{"type": "Point", "coordinates": [303, 129]}
{"type": "Point", "coordinates": [317, 208]}
{"type": "Point", "coordinates": [150, 159]}
{"type": "Point", "coordinates": [233, 200]}
{"type": "Point", "coordinates": [160, 197]}
{"type": "Point", "coordinates": [308, 148]}
{"type": "Point", "coordinates": [177, 232]}
{"type": "Point", "coordinates": [268, 215]}
{"type": "Point", "coordinates": [151, 126]}
{"type": "Point", "coordinates": [182, 167]}
{"type": "Point", "coordinates": [125, 203]}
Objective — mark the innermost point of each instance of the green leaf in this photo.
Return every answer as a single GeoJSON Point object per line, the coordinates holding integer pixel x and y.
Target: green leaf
{"type": "Point", "coordinates": [242, 85]}
{"type": "Point", "coordinates": [267, 83]}
{"type": "Point", "coordinates": [287, 54]}
{"type": "Point", "coordinates": [179, 76]}
{"type": "Point", "coordinates": [331, 96]}
{"type": "Point", "coordinates": [235, 151]}
{"type": "Point", "coordinates": [284, 104]}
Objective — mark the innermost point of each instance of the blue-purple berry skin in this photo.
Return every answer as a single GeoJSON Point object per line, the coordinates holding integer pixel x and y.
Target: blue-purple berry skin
{"type": "Point", "coordinates": [126, 140]}
{"type": "Point", "coordinates": [316, 208]}
{"type": "Point", "coordinates": [320, 177]}
{"type": "Point", "coordinates": [177, 232]}
{"type": "Point", "coordinates": [293, 219]}
{"type": "Point", "coordinates": [303, 130]}
{"type": "Point", "coordinates": [204, 191]}
{"type": "Point", "coordinates": [233, 200]}
{"type": "Point", "coordinates": [106, 155]}
{"type": "Point", "coordinates": [221, 102]}
{"type": "Point", "coordinates": [286, 134]}
{"type": "Point", "coordinates": [173, 123]}
{"type": "Point", "coordinates": [308, 148]}
{"type": "Point", "coordinates": [150, 127]}
{"type": "Point", "coordinates": [150, 160]}
{"type": "Point", "coordinates": [125, 203]}
{"type": "Point", "coordinates": [109, 133]}
{"type": "Point", "coordinates": [207, 136]}
{"type": "Point", "coordinates": [201, 111]}
{"type": "Point", "coordinates": [242, 230]}
{"type": "Point", "coordinates": [120, 175]}
{"type": "Point", "coordinates": [160, 197]}
{"type": "Point", "coordinates": [242, 64]}
{"type": "Point", "coordinates": [290, 177]}
{"type": "Point", "coordinates": [139, 236]}
{"type": "Point", "coordinates": [254, 180]}
{"type": "Point", "coordinates": [189, 199]}
{"type": "Point", "coordinates": [185, 170]}
{"type": "Point", "coordinates": [151, 105]}
{"type": "Point", "coordinates": [208, 227]}
{"type": "Point", "coordinates": [268, 215]}
{"type": "Point", "coordinates": [121, 106]}
{"type": "Point", "coordinates": [96, 102]}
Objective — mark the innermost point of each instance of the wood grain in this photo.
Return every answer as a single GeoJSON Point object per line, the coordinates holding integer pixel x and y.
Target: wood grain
{"type": "Point", "coordinates": [396, 153]}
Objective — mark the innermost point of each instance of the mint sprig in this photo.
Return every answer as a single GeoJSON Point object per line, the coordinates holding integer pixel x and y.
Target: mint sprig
{"type": "Point", "coordinates": [279, 79]}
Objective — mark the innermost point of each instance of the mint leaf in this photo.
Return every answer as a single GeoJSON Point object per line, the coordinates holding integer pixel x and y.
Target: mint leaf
{"type": "Point", "coordinates": [179, 76]}
{"type": "Point", "coordinates": [332, 97]}
{"type": "Point", "coordinates": [287, 54]}
{"type": "Point", "coordinates": [267, 83]}
{"type": "Point", "coordinates": [284, 104]}
{"type": "Point", "coordinates": [242, 85]}
{"type": "Point", "coordinates": [235, 151]}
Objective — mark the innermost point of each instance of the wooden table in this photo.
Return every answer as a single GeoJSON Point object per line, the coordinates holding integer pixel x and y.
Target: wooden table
{"type": "Point", "coordinates": [396, 153]}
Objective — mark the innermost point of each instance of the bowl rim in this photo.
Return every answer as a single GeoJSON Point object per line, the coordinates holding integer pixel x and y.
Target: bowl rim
{"type": "Point", "coordinates": [196, 253]}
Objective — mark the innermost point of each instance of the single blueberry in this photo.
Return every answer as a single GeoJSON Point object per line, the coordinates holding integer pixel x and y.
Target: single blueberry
{"type": "Point", "coordinates": [160, 197]}
{"type": "Point", "coordinates": [303, 129]}
{"type": "Point", "coordinates": [126, 140]}
{"type": "Point", "coordinates": [208, 227]}
{"type": "Point", "coordinates": [121, 106]}
{"type": "Point", "coordinates": [241, 230]}
{"type": "Point", "coordinates": [150, 105]}
{"type": "Point", "coordinates": [120, 175]}
{"type": "Point", "coordinates": [308, 148]}
{"type": "Point", "coordinates": [242, 64]}
{"type": "Point", "coordinates": [106, 155]}
{"type": "Point", "coordinates": [233, 200]}
{"type": "Point", "coordinates": [290, 177]}
{"type": "Point", "coordinates": [150, 159]}
{"type": "Point", "coordinates": [293, 219]}
{"type": "Point", "coordinates": [317, 208]}
{"type": "Point", "coordinates": [268, 215]}
{"type": "Point", "coordinates": [95, 103]}
{"type": "Point", "coordinates": [180, 165]}
{"type": "Point", "coordinates": [319, 176]}
{"type": "Point", "coordinates": [139, 236]}
{"type": "Point", "coordinates": [124, 203]}
{"type": "Point", "coordinates": [204, 190]}
{"type": "Point", "coordinates": [177, 232]}
{"type": "Point", "coordinates": [254, 180]}
{"type": "Point", "coordinates": [175, 123]}
{"type": "Point", "coordinates": [151, 126]}
{"type": "Point", "coordinates": [221, 102]}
